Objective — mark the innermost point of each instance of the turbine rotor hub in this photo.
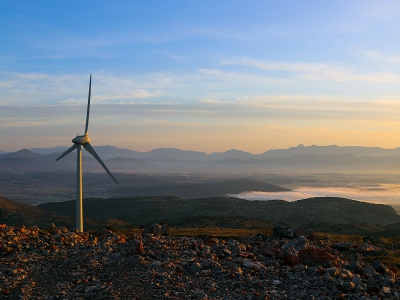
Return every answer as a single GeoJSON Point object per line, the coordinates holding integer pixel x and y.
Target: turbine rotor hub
{"type": "Point", "coordinates": [81, 139]}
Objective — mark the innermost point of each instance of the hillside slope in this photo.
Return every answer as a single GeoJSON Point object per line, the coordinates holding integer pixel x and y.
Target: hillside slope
{"type": "Point", "coordinates": [146, 210]}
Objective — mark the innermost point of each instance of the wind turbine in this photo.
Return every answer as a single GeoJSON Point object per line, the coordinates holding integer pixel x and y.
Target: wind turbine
{"type": "Point", "coordinates": [79, 141]}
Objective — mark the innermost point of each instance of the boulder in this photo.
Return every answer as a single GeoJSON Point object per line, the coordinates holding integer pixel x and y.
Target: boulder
{"type": "Point", "coordinates": [355, 263]}
{"type": "Point", "coordinates": [298, 244]}
{"type": "Point", "coordinates": [284, 232]}
{"type": "Point", "coordinates": [314, 257]}
{"type": "Point", "coordinates": [157, 229]}
{"type": "Point", "coordinates": [372, 239]}
{"type": "Point", "coordinates": [165, 229]}
{"type": "Point", "coordinates": [379, 267]}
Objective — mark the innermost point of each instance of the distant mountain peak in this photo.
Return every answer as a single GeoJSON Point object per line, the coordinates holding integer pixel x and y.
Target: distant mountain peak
{"type": "Point", "coordinates": [300, 146]}
{"type": "Point", "coordinates": [25, 153]}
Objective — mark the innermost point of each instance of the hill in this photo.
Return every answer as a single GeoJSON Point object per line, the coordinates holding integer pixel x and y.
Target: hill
{"type": "Point", "coordinates": [18, 213]}
{"type": "Point", "coordinates": [330, 214]}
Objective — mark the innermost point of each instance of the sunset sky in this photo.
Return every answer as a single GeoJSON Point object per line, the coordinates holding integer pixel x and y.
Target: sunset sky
{"type": "Point", "coordinates": [200, 75]}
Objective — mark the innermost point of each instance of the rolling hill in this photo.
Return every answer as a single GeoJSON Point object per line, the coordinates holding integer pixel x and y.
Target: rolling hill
{"type": "Point", "coordinates": [329, 214]}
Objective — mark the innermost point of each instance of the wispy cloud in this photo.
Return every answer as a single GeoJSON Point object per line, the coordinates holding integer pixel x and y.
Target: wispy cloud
{"type": "Point", "coordinates": [170, 55]}
{"type": "Point", "coordinates": [315, 71]}
{"type": "Point", "coordinates": [391, 59]}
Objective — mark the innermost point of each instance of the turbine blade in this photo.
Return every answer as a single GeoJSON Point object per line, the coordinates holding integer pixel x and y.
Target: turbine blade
{"type": "Point", "coordinates": [90, 149]}
{"type": "Point", "coordinates": [88, 105]}
{"type": "Point", "coordinates": [72, 148]}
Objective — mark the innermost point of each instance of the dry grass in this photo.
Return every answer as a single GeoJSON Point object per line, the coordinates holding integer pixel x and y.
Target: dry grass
{"type": "Point", "coordinates": [218, 232]}
{"type": "Point", "coordinates": [388, 260]}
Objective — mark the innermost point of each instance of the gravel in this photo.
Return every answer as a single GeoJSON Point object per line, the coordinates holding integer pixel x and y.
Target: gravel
{"type": "Point", "coordinates": [60, 264]}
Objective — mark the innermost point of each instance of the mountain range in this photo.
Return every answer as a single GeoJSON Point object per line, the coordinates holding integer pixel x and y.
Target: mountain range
{"type": "Point", "coordinates": [187, 155]}
{"type": "Point", "coordinates": [330, 158]}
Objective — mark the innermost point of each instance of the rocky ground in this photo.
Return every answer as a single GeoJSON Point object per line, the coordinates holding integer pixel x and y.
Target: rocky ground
{"type": "Point", "coordinates": [59, 264]}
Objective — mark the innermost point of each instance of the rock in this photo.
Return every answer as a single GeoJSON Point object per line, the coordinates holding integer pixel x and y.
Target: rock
{"type": "Point", "coordinates": [349, 286]}
{"type": "Point", "coordinates": [333, 271]}
{"type": "Point", "coordinates": [238, 248]}
{"type": "Point", "coordinates": [47, 266]}
{"type": "Point", "coordinates": [379, 267]}
{"type": "Point", "coordinates": [300, 243]}
{"type": "Point", "coordinates": [317, 257]}
{"type": "Point", "coordinates": [195, 267]}
{"type": "Point", "coordinates": [139, 247]}
{"type": "Point", "coordinates": [357, 280]}
{"type": "Point", "coordinates": [226, 251]}
{"type": "Point", "coordinates": [165, 229]}
{"type": "Point", "coordinates": [284, 232]}
{"type": "Point", "coordinates": [372, 239]}
{"type": "Point", "coordinates": [371, 282]}
{"type": "Point", "coordinates": [157, 229]}
{"type": "Point", "coordinates": [154, 229]}
{"type": "Point", "coordinates": [355, 263]}
{"type": "Point", "coordinates": [343, 246]}
{"type": "Point", "coordinates": [346, 273]}
{"type": "Point", "coordinates": [291, 259]}
{"type": "Point", "coordinates": [327, 277]}
{"type": "Point", "coordinates": [249, 264]}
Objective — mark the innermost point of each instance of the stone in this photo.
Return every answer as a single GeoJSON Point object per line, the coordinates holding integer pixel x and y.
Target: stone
{"type": "Point", "coordinates": [357, 280]}
{"type": "Point", "coordinates": [372, 239]}
{"type": "Point", "coordinates": [371, 282]}
{"type": "Point", "coordinates": [165, 229]}
{"type": "Point", "coordinates": [290, 259]}
{"type": "Point", "coordinates": [139, 247]}
{"type": "Point", "coordinates": [327, 277]}
{"type": "Point", "coordinates": [317, 257]}
{"type": "Point", "coordinates": [333, 271]}
{"type": "Point", "coordinates": [349, 286]}
{"type": "Point", "coordinates": [195, 267]}
{"type": "Point", "coordinates": [355, 263]}
{"type": "Point", "coordinates": [379, 267]}
{"type": "Point", "coordinates": [154, 229]}
{"type": "Point", "coordinates": [299, 243]}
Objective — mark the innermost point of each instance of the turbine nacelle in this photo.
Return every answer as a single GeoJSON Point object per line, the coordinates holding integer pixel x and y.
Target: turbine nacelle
{"type": "Point", "coordinates": [81, 139]}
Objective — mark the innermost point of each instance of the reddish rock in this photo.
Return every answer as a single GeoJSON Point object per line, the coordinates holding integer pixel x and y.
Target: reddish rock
{"type": "Point", "coordinates": [318, 257]}
{"type": "Point", "coordinates": [139, 247]}
{"type": "Point", "coordinates": [291, 260]}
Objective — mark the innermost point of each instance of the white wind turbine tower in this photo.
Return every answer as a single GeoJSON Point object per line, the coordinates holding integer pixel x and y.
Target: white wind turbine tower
{"type": "Point", "coordinates": [83, 140]}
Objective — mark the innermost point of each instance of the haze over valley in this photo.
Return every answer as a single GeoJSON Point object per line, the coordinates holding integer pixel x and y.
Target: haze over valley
{"type": "Point", "coordinates": [360, 173]}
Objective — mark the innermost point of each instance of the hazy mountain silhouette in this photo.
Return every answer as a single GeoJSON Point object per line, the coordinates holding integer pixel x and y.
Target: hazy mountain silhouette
{"type": "Point", "coordinates": [310, 158]}
{"type": "Point", "coordinates": [26, 160]}
{"type": "Point", "coordinates": [174, 154]}
{"type": "Point", "coordinates": [332, 150]}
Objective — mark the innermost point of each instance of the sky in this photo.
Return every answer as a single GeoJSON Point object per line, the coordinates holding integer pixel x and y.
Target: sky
{"type": "Point", "coordinates": [200, 75]}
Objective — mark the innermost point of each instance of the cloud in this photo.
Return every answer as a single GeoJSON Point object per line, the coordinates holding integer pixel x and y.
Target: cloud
{"type": "Point", "coordinates": [393, 59]}
{"type": "Point", "coordinates": [40, 88]}
{"type": "Point", "coordinates": [301, 111]}
{"type": "Point", "coordinates": [315, 71]}
{"type": "Point", "coordinates": [174, 57]}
